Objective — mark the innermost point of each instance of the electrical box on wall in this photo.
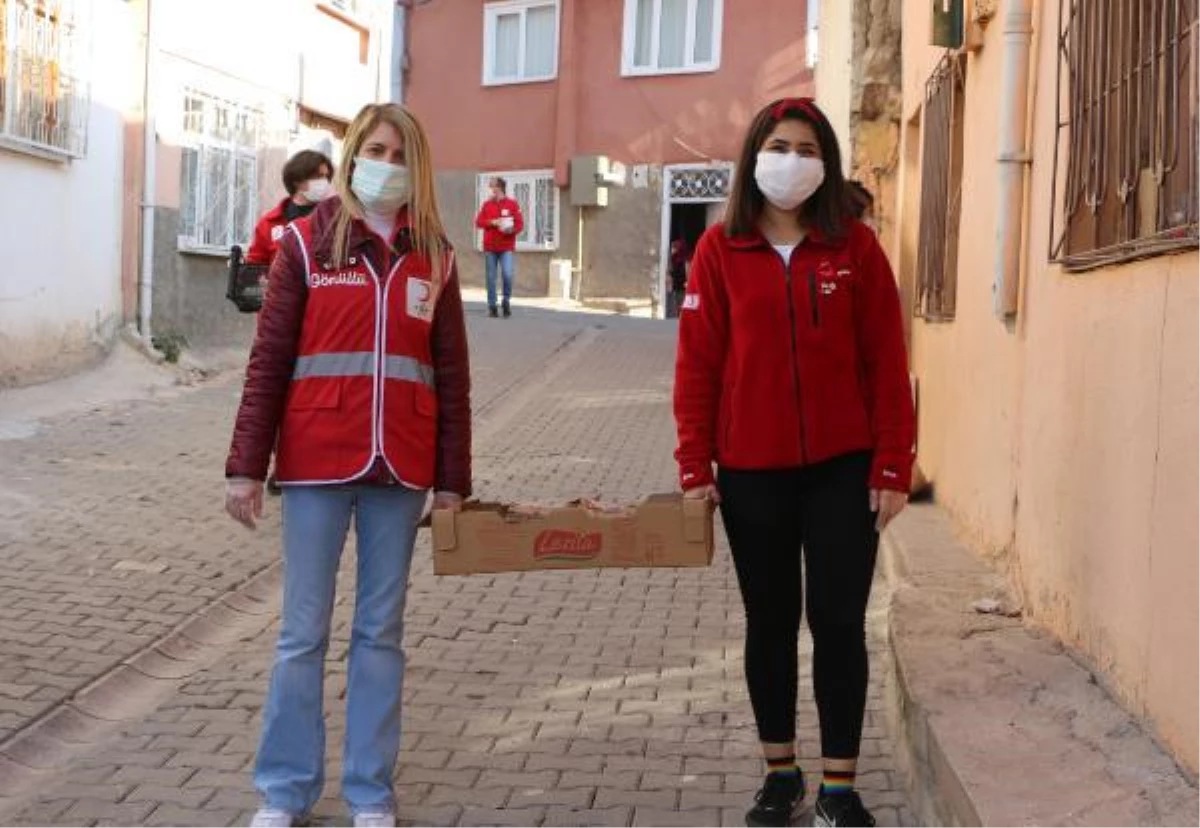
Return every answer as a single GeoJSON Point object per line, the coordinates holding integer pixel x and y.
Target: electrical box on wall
{"type": "Point", "coordinates": [947, 24]}
{"type": "Point", "coordinates": [591, 176]}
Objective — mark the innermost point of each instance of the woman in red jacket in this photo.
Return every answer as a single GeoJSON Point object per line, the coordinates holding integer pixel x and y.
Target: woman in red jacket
{"type": "Point", "coordinates": [792, 380]}
{"type": "Point", "coordinates": [359, 384]}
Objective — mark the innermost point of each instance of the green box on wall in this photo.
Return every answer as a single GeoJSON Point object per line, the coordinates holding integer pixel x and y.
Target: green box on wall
{"type": "Point", "coordinates": [947, 26]}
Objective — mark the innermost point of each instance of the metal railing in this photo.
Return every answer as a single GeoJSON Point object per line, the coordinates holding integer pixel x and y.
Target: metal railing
{"type": "Point", "coordinates": [1127, 120]}
{"type": "Point", "coordinates": [45, 99]}
{"type": "Point", "coordinates": [941, 190]}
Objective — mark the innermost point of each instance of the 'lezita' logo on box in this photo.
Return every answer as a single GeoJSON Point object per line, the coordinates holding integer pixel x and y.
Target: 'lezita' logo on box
{"type": "Point", "coordinates": [559, 544]}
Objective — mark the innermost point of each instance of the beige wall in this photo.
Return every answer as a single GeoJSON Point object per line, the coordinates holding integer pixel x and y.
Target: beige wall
{"type": "Point", "coordinates": [1065, 443]}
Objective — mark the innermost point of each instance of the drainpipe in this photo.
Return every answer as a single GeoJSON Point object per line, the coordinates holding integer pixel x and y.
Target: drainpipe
{"type": "Point", "coordinates": [149, 159]}
{"type": "Point", "coordinates": [1013, 158]}
{"type": "Point", "coordinates": [399, 50]}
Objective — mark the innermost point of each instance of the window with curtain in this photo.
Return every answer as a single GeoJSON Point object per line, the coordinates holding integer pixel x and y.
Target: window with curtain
{"type": "Point", "coordinates": [44, 95]}
{"type": "Point", "coordinates": [520, 41]}
{"type": "Point", "coordinates": [671, 36]}
{"type": "Point", "coordinates": [218, 173]}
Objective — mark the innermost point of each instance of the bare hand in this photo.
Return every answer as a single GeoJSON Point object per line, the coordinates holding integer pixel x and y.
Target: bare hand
{"type": "Point", "coordinates": [886, 504]}
{"type": "Point", "coordinates": [244, 500]}
{"type": "Point", "coordinates": [448, 500]}
{"type": "Point", "coordinates": [708, 492]}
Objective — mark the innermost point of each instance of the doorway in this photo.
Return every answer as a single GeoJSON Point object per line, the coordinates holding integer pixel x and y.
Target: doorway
{"type": "Point", "coordinates": [694, 198]}
{"type": "Point", "coordinates": [688, 223]}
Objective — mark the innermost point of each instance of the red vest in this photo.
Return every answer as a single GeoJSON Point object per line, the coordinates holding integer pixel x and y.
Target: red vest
{"type": "Point", "coordinates": [363, 384]}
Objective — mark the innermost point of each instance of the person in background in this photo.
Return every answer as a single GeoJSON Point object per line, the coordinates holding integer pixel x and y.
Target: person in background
{"type": "Point", "coordinates": [306, 177]}
{"type": "Point", "coordinates": [501, 221]}
{"type": "Point", "coordinates": [359, 384]}
{"type": "Point", "coordinates": [792, 379]}
{"type": "Point", "coordinates": [680, 256]}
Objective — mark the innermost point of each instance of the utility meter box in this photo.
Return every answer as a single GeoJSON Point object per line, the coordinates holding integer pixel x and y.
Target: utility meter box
{"type": "Point", "coordinates": [947, 28]}
{"type": "Point", "coordinates": [591, 176]}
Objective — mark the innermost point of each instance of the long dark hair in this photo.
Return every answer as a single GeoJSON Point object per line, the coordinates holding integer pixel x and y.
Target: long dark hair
{"type": "Point", "coordinates": [825, 210]}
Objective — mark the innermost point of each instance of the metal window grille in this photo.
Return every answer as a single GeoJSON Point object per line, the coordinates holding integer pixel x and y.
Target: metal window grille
{"type": "Point", "coordinates": [941, 190]}
{"type": "Point", "coordinates": [219, 172]}
{"type": "Point", "coordinates": [45, 99]}
{"type": "Point", "coordinates": [538, 197]}
{"type": "Point", "coordinates": [1127, 121]}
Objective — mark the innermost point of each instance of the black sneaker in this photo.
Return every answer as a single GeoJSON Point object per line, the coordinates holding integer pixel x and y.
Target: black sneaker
{"type": "Point", "coordinates": [506, 310]}
{"type": "Point", "coordinates": [493, 313]}
{"type": "Point", "coordinates": [778, 801]}
{"type": "Point", "coordinates": [841, 809]}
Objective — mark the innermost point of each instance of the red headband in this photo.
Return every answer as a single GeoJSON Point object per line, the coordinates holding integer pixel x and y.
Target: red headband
{"type": "Point", "coordinates": [804, 105]}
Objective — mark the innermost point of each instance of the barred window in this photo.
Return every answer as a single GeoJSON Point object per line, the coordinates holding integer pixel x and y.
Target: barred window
{"type": "Point", "coordinates": [941, 190]}
{"type": "Point", "coordinates": [218, 172]}
{"type": "Point", "coordinates": [44, 95]}
{"type": "Point", "coordinates": [538, 196]}
{"type": "Point", "coordinates": [1127, 123]}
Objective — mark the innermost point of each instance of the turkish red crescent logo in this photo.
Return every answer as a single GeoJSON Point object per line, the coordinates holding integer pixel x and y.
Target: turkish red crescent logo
{"type": "Point", "coordinates": [825, 270]}
{"type": "Point", "coordinates": [425, 291]}
{"type": "Point", "coordinates": [561, 544]}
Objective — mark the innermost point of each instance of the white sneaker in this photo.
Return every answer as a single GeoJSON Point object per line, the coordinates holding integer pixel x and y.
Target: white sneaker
{"type": "Point", "coordinates": [375, 819]}
{"type": "Point", "coordinates": [273, 818]}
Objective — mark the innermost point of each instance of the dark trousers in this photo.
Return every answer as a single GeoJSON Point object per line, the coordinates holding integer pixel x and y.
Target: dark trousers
{"type": "Point", "coordinates": [770, 517]}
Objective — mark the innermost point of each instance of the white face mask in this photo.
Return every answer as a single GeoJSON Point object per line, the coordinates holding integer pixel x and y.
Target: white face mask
{"type": "Point", "coordinates": [380, 186]}
{"type": "Point", "coordinates": [788, 179]}
{"type": "Point", "coordinates": [315, 190]}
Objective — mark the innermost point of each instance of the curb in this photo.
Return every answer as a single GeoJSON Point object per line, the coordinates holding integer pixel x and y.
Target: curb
{"type": "Point", "coordinates": [986, 709]}
{"type": "Point", "coordinates": [74, 726]}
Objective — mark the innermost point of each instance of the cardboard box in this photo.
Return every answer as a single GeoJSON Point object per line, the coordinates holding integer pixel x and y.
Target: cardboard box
{"type": "Point", "coordinates": [662, 530]}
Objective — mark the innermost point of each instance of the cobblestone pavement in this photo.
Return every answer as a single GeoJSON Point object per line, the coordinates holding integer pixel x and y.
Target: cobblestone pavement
{"type": "Point", "coordinates": [556, 698]}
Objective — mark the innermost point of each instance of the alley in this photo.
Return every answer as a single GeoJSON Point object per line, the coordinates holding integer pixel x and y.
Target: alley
{"type": "Point", "coordinates": [136, 639]}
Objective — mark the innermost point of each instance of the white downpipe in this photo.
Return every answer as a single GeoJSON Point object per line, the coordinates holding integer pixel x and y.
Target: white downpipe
{"type": "Point", "coordinates": [149, 167]}
{"type": "Point", "coordinates": [1014, 157]}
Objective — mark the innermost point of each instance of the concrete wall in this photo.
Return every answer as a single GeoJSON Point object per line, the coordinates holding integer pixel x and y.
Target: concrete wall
{"type": "Point", "coordinates": [60, 288]}
{"type": "Point", "coordinates": [1065, 444]}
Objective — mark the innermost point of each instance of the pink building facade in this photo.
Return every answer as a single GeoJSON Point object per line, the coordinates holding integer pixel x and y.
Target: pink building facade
{"type": "Point", "coordinates": [664, 89]}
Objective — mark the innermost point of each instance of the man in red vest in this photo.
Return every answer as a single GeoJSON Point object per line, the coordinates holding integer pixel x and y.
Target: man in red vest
{"type": "Point", "coordinates": [501, 222]}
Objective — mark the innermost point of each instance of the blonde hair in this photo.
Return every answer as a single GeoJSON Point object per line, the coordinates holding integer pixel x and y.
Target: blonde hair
{"type": "Point", "coordinates": [428, 234]}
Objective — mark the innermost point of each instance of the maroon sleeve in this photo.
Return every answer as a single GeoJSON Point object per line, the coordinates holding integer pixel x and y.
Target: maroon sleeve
{"type": "Point", "coordinates": [700, 367]}
{"type": "Point", "coordinates": [452, 369]}
{"type": "Point", "coordinates": [272, 360]}
{"type": "Point", "coordinates": [880, 332]}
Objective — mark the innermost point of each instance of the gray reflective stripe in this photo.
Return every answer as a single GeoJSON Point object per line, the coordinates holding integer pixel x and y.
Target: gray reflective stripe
{"type": "Point", "coordinates": [407, 368]}
{"type": "Point", "coordinates": [351, 364]}
{"type": "Point", "coordinates": [362, 364]}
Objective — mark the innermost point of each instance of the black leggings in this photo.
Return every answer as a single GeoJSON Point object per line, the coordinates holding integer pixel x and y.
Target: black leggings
{"type": "Point", "coordinates": [769, 516]}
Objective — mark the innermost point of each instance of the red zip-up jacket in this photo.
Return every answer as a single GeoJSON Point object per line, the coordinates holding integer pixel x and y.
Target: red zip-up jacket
{"type": "Point", "coordinates": [785, 366]}
{"type": "Point", "coordinates": [267, 233]}
{"type": "Point", "coordinates": [494, 239]}
{"type": "Point", "coordinates": [273, 357]}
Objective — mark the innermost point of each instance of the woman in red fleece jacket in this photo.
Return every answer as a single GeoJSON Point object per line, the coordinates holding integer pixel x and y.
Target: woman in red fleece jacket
{"type": "Point", "coordinates": [792, 380]}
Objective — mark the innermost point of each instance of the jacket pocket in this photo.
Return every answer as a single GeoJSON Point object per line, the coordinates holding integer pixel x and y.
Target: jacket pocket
{"type": "Point", "coordinates": [315, 394]}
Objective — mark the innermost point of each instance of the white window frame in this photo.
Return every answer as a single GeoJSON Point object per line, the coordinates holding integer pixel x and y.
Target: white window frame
{"type": "Point", "coordinates": [35, 50]}
{"type": "Point", "coordinates": [512, 178]}
{"type": "Point", "coordinates": [629, 42]}
{"type": "Point", "coordinates": [200, 139]}
{"type": "Point", "coordinates": [493, 11]}
{"type": "Point", "coordinates": [812, 50]}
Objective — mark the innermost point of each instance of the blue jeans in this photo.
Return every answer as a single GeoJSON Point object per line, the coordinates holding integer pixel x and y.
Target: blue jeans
{"type": "Point", "coordinates": [290, 769]}
{"type": "Point", "coordinates": [505, 261]}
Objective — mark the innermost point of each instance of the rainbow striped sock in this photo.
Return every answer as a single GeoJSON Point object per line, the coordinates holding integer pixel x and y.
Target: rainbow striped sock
{"type": "Point", "coordinates": [837, 782]}
{"type": "Point", "coordinates": [783, 764]}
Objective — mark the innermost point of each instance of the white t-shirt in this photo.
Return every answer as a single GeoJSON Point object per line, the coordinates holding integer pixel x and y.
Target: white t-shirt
{"type": "Point", "coordinates": [784, 251]}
